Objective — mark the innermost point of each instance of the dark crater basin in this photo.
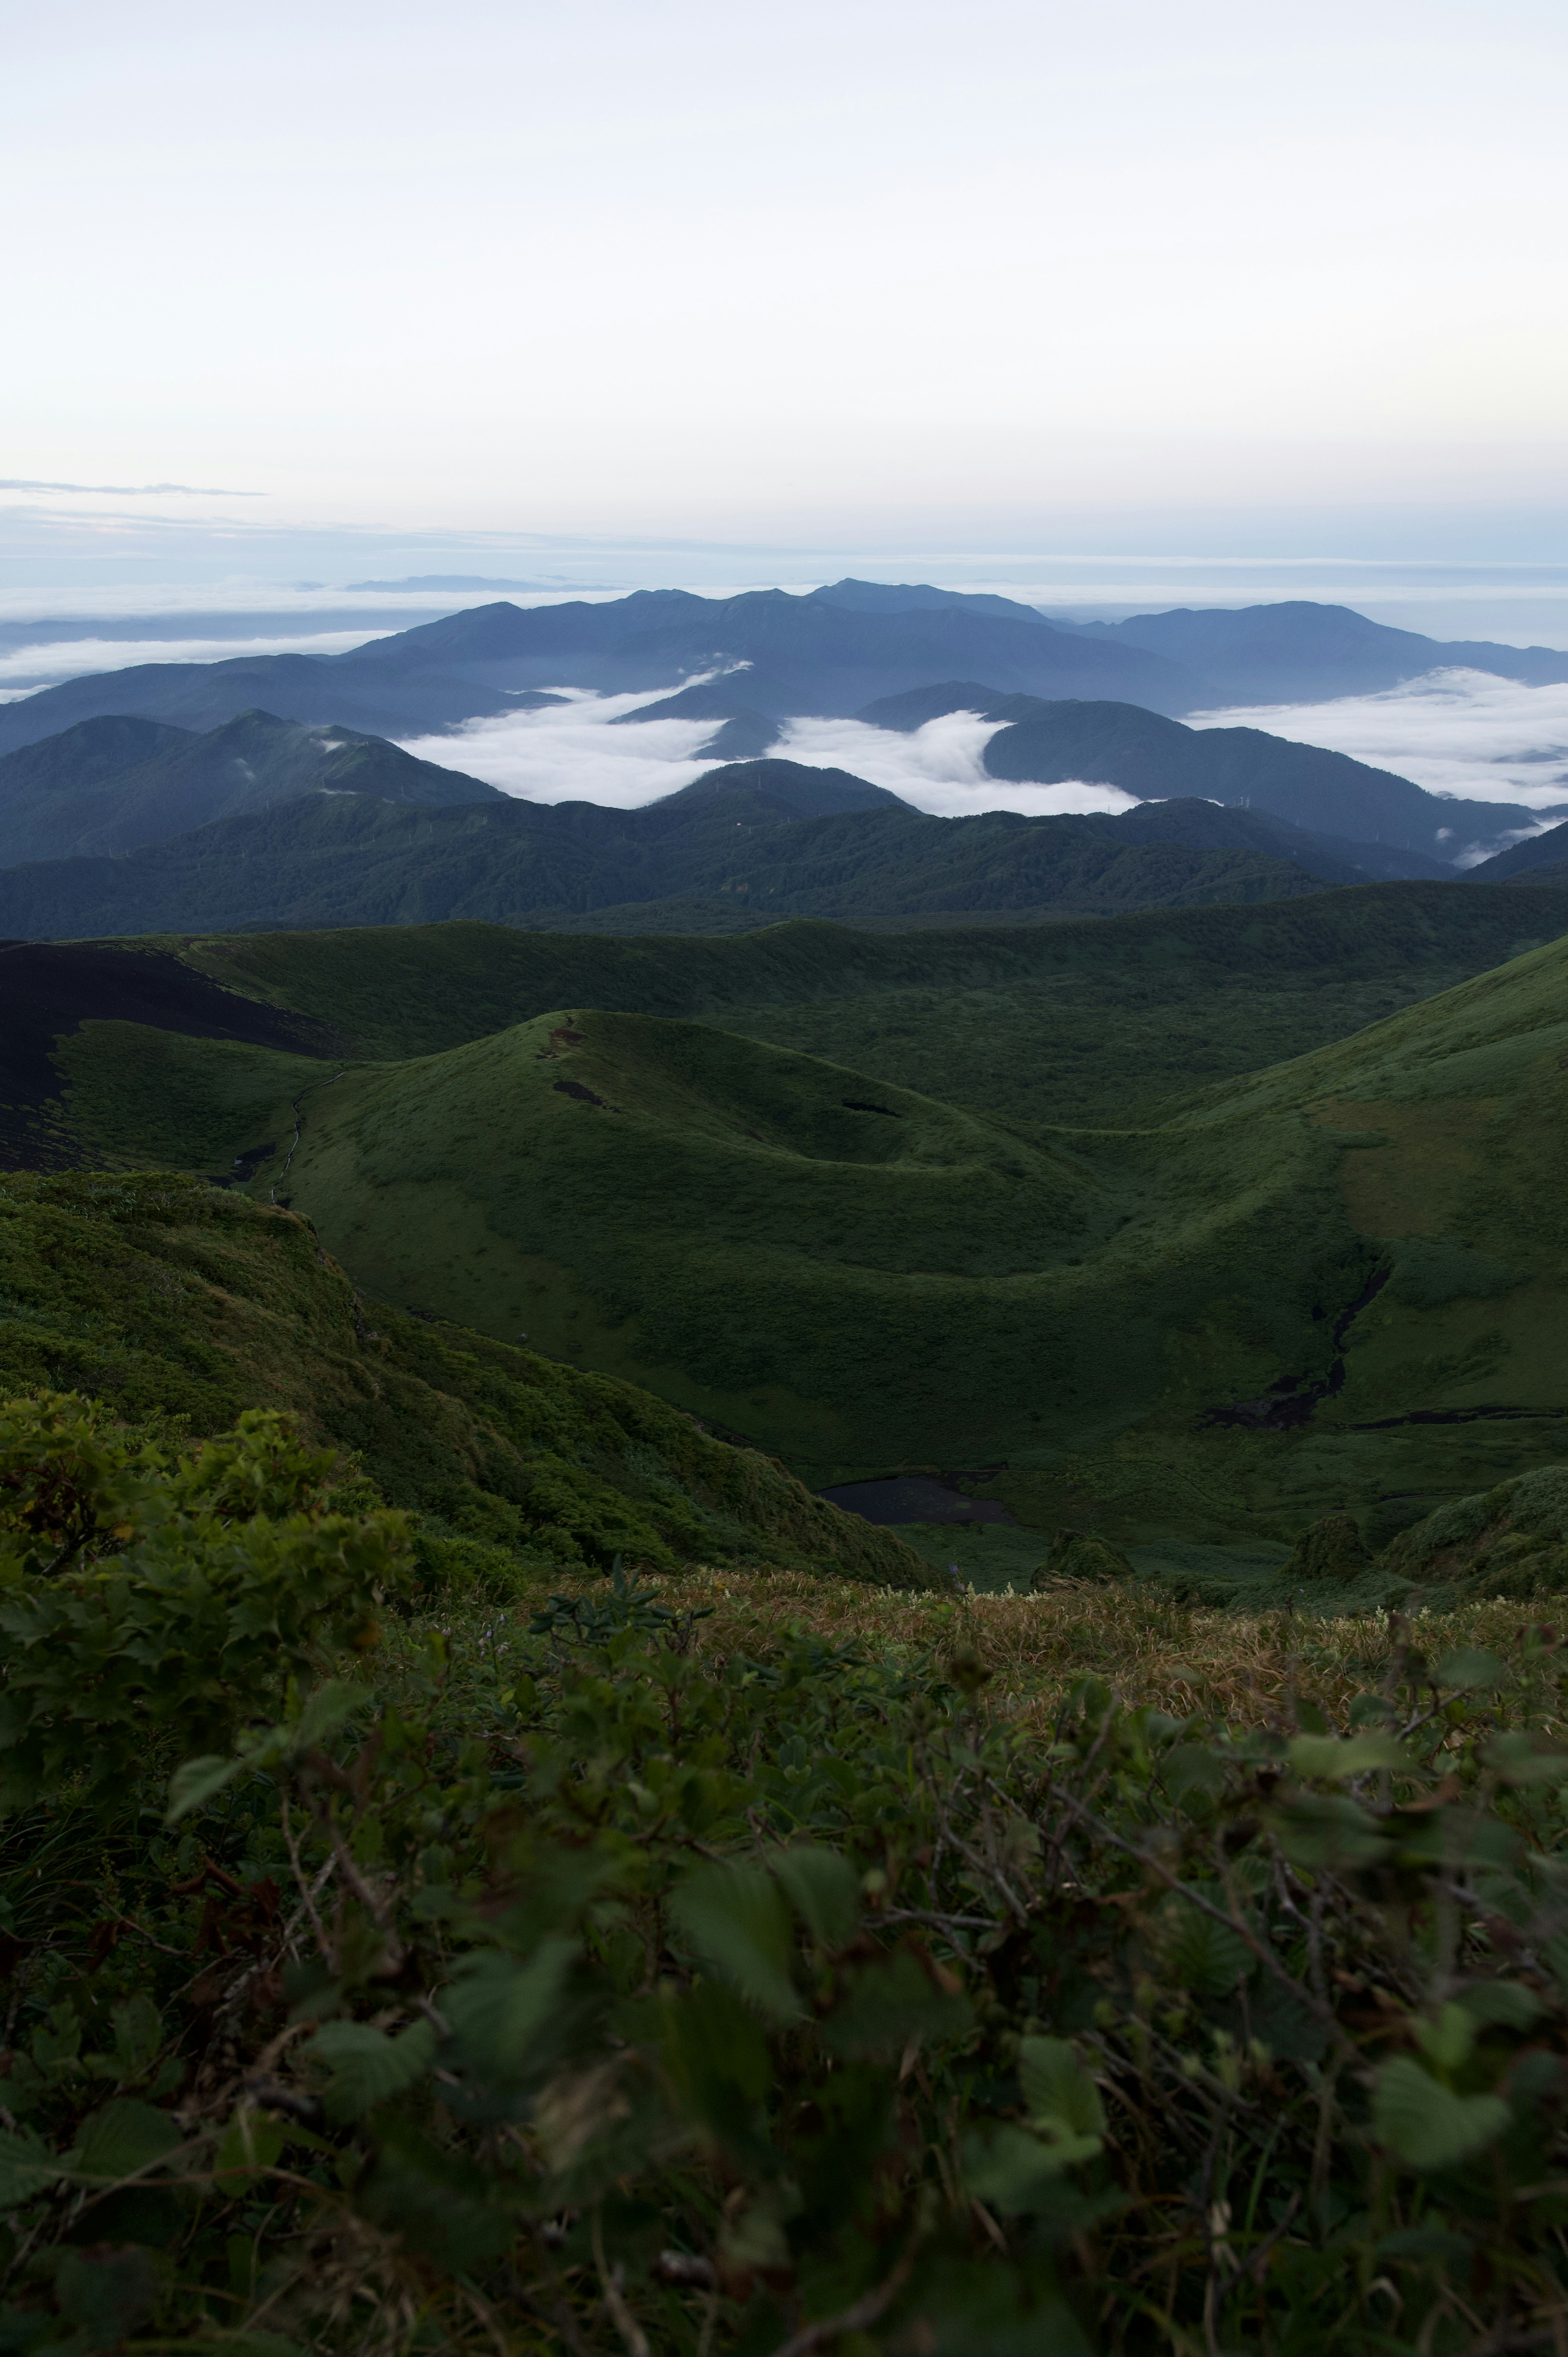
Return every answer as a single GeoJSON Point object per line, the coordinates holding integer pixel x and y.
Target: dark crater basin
{"type": "Point", "coordinates": [914, 1498]}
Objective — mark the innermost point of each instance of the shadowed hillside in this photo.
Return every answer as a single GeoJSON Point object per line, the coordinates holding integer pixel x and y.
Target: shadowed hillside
{"type": "Point", "coordinates": [161, 1295]}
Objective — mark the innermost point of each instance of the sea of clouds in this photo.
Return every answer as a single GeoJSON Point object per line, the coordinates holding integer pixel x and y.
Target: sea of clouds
{"type": "Point", "coordinates": [575, 752]}
{"type": "Point", "coordinates": [1463, 733]}
{"type": "Point", "coordinates": [1453, 732]}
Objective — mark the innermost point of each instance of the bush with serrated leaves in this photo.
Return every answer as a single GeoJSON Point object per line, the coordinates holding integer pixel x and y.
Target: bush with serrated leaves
{"type": "Point", "coordinates": [151, 1593]}
{"type": "Point", "coordinates": [582, 1989]}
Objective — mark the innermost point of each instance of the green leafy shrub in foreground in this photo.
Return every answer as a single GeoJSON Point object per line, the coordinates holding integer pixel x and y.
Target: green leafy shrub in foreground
{"type": "Point", "coordinates": [151, 1592]}
{"type": "Point", "coordinates": [567, 1990]}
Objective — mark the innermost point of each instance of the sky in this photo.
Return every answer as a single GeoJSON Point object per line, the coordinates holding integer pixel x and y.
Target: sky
{"type": "Point", "coordinates": [693, 286]}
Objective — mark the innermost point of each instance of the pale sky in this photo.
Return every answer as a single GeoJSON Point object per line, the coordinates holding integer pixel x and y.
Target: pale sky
{"type": "Point", "coordinates": [719, 268]}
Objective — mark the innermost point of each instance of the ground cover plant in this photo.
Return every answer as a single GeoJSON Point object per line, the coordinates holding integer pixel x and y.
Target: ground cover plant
{"type": "Point", "coordinates": [724, 1962]}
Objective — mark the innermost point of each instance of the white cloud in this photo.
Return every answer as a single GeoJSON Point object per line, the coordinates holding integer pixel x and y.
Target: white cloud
{"type": "Point", "coordinates": [24, 669]}
{"type": "Point", "coordinates": [1455, 732]}
{"type": "Point", "coordinates": [938, 768]}
{"type": "Point", "coordinates": [571, 753]}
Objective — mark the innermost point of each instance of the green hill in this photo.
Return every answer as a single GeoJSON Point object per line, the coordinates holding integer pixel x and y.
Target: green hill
{"type": "Point", "coordinates": [1335, 1281]}
{"type": "Point", "coordinates": [109, 785]}
{"type": "Point", "coordinates": [161, 1295]}
{"type": "Point", "coordinates": [1077, 1022]}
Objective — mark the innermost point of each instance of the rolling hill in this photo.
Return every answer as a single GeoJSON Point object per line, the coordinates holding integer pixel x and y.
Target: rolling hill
{"type": "Point", "coordinates": [1336, 1281]}
{"type": "Point", "coordinates": [110, 785]}
{"type": "Point", "coordinates": [1146, 754]}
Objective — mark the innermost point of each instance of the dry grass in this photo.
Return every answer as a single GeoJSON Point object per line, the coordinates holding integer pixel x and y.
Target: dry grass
{"type": "Point", "coordinates": [1243, 1668]}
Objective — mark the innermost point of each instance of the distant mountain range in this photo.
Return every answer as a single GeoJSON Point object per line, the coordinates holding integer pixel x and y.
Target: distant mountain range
{"type": "Point", "coordinates": [1543, 860]}
{"type": "Point", "coordinates": [1296, 651]}
{"type": "Point", "coordinates": [1147, 754]}
{"type": "Point", "coordinates": [111, 784]}
{"type": "Point", "coordinates": [746, 845]}
{"type": "Point", "coordinates": [831, 653]}
{"type": "Point", "coordinates": [123, 824]}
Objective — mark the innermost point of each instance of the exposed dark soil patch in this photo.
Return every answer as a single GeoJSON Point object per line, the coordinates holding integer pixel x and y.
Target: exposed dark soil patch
{"type": "Point", "coordinates": [862, 1104]}
{"type": "Point", "coordinates": [1293, 1402]}
{"type": "Point", "coordinates": [1462, 1416]}
{"type": "Point", "coordinates": [914, 1498]}
{"type": "Point", "coordinates": [48, 989]}
{"type": "Point", "coordinates": [575, 1089]}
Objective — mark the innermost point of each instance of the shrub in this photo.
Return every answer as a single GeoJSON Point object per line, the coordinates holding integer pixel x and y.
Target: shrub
{"type": "Point", "coordinates": [149, 1592]}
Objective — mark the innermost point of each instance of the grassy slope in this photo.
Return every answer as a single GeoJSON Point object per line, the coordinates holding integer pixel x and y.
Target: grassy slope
{"type": "Point", "coordinates": [862, 1292]}
{"type": "Point", "coordinates": [1082, 1022]}
{"type": "Point", "coordinates": [156, 1292]}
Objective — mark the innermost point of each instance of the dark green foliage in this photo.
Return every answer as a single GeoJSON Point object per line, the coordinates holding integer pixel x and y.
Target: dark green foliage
{"type": "Point", "coordinates": [346, 859]}
{"type": "Point", "coordinates": [1508, 1541]}
{"type": "Point", "coordinates": [148, 1591]}
{"type": "Point", "coordinates": [1431, 1270]}
{"type": "Point", "coordinates": [1085, 1023]}
{"type": "Point", "coordinates": [1330, 1549]}
{"type": "Point", "coordinates": [167, 1297]}
{"type": "Point", "coordinates": [1079, 1554]}
{"type": "Point", "coordinates": [573, 1984]}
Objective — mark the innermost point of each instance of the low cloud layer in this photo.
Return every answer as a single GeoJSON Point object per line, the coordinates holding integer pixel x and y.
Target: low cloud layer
{"type": "Point", "coordinates": [26, 669]}
{"type": "Point", "coordinates": [571, 753]}
{"type": "Point", "coordinates": [1456, 732]}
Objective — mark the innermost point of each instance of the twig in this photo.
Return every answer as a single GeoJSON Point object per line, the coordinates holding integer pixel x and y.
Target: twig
{"type": "Point", "coordinates": [1162, 1873]}
{"type": "Point", "coordinates": [866, 2310]}
{"type": "Point", "coordinates": [610, 2280]}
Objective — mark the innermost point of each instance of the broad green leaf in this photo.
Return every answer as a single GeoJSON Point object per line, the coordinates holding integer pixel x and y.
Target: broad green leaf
{"type": "Point", "coordinates": [890, 2005]}
{"type": "Point", "coordinates": [106, 2293]}
{"type": "Point", "coordinates": [1199, 1954]}
{"type": "Point", "coordinates": [1502, 2005]}
{"type": "Point", "coordinates": [368, 2067]}
{"type": "Point", "coordinates": [26, 2167]}
{"type": "Point", "coordinates": [1192, 1768]}
{"type": "Point", "coordinates": [1318, 1829]}
{"type": "Point", "coordinates": [326, 1710]}
{"type": "Point", "coordinates": [1468, 1667]}
{"type": "Point", "coordinates": [1056, 2086]}
{"type": "Point", "coordinates": [138, 2033]}
{"type": "Point", "coordinates": [826, 1889]}
{"type": "Point", "coordinates": [498, 2008]}
{"type": "Point", "coordinates": [251, 2142]}
{"type": "Point", "coordinates": [1524, 1759]}
{"type": "Point", "coordinates": [122, 2138]}
{"type": "Point", "coordinates": [1326, 1755]}
{"type": "Point", "coordinates": [1425, 2123]}
{"type": "Point", "coordinates": [735, 1918]}
{"type": "Point", "coordinates": [197, 1780]}
{"type": "Point", "coordinates": [1012, 2168]}
{"type": "Point", "coordinates": [1447, 2041]}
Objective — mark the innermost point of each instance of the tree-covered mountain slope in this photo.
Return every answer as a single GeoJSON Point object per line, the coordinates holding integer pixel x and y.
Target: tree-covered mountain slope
{"type": "Point", "coordinates": [1540, 859]}
{"type": "Point", "coordinates": [1048, 742]}
{"type": "Point", "coordinates": [161, 1295]}
{"type": "Point", "coordinates": [733, 849]}
{"type": "Point", "coordinates": [108, 785]}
